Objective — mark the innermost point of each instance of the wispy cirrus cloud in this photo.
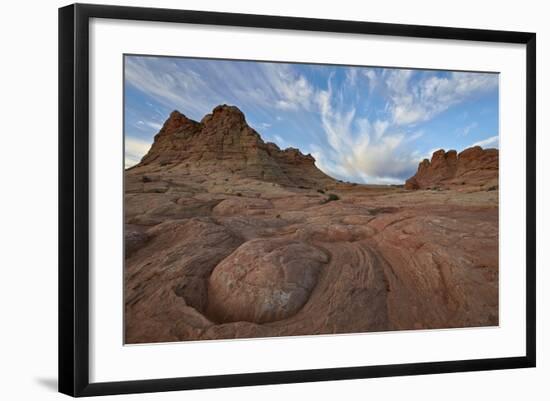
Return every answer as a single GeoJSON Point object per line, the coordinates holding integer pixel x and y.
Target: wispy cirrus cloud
{"type": "Point", "coordinates": [379, 150]}
{"type": "Point", "coordinates": [167, 82]}
{"type": "Point", "coordinates": [140, 124]}
{"type": "Point", "coordinates": [292, 90]}
{"type": "Point", "coordinates": [467, 129]}
{"type": "Point", "coordinates": [419, 100]}
{"type": "Point", "coordinates": [196, 86]}
{"type": "Point", "coordinates": [491, 142]}
{"type": "Point", "coordinates": [361, 124]}
{"type": "Point", "coordinates": [363, 150]}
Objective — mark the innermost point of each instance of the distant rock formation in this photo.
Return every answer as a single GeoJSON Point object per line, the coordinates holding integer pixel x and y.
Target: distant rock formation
{"type": "Point", "coordinates": [473, 167]}
{"type": "Point", "coordinates": [224, 140]}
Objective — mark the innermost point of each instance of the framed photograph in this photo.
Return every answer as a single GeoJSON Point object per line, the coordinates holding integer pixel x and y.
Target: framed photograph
{"type": "Point", "coordinates": [251, 199]}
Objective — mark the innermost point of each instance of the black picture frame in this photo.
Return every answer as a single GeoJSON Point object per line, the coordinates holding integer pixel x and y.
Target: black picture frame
{"type": "Point", "coordinates": [74, 192]}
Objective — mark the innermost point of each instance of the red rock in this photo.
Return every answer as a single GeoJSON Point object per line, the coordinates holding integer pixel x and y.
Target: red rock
{"type": "Point", "coordinates": [217, 250]}
{"type": "Point", "coordinates": [473, 167]}
{"type": "Point", "coordinates": [223, 139]}
{"type": "Point", "coordinates": [264, 280]}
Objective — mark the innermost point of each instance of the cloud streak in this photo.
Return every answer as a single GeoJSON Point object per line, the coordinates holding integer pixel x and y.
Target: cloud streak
{"type": "Point", "coordinates": [360, 150]}
{"type": "Point", "coordinates": [196, 86]}
{"type": "Point", "coordinates": [361, 124]}
{"type": "Point", "coordinates": [423, 99]}
{"type": "Point", "coordinates": [491, 142]}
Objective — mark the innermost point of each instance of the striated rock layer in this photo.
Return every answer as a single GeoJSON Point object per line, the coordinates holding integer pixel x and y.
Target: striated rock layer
{"type": "Point", "coordinates": [229, 237]}
{"type": "Point", "coordinates": [223, 140]}
{"type": "Point", "coordinates": [473, 167]}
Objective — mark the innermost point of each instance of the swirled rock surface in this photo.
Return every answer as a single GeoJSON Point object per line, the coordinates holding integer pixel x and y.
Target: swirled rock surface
{"type": "Point", "coordinates": [230, 237]}
{"type": "Point", "coordinates": [264, 280]}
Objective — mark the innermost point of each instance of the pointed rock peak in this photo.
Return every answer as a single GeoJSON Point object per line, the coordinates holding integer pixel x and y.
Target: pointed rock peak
{"type": "Point", "coordinates": [224, 112]}
{"type": "Point", "coordinates": [176, 116]}
{"type": "Point", "coordinates": [228, 110]}
{"type": "Point", "coordinates": [176, 121]}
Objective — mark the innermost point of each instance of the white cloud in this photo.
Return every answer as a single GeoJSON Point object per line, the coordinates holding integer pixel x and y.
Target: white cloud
{"type": "Point", "coordinates": [360, 150]}
{"type": "Point", "coordinates": [351, 75]}
{"type": "Point", "coordinates": [417, 101]}
{"type": "Point", "coordinates": [414, 136]}
{"type": "Point", "coordinates": [372, 78]}
{"type": "Point", "coordinates": [154, 125]}
{"type": "Point", "coordinates": [292, 91]}
{"type": "Point", "coordinates": [380, 128]}
{"type": "Point", "coordinates": [491, 142]}
{"type": "Point", "coordinates": [337, 124]}
{"type": "Point", "coordinates": [265, 125]}
{"type": "Point", "coordinates": [357, 139]}
{"type": "Point", "coordinates": [173, 85]}
{"type": "Point", "coordinates": [134, 150]}
{"type": "Point", "coordinates": [467, 129]}
{"type": "Point", "coordinates": [195, 86]}
{"type": "Point", "coordinates": [142, 125]}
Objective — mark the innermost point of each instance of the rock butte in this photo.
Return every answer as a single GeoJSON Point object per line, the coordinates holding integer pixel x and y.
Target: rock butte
{"type": "Point", "coordinates": [473, 167]}
{"type": "Point", "coordinates": [230, 237]}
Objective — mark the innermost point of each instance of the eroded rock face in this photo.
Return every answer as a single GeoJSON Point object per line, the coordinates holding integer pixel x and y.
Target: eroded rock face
{"type": "Point", "coordinates": [167, 279]}
{"type": "Point", "coordinates": [224, 140]}
{"type": "Point", "coordinates": [473, 167]}
{"type": "Point", "coordinates": [264, 280]}
{"type": "Point", "coordinates": [216, 250]}
{"type": "Point", "coordinates": [438, 269]}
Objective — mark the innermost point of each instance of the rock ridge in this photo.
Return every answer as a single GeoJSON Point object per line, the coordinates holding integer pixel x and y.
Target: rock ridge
{"type": "Point", "coordinates": [223, 139]}
{"type": "Point", "coordinates": [473, 167]}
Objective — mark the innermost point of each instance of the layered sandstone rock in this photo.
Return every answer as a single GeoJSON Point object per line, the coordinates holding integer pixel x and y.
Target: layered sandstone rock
{"type": "Point", "coordinates": [473, 167]}
{"type": "Point", "coordinates": [264, 280]}
{"type": "Point", "coordinates": [217, 249]}
{"type": "Point", "coordinates": [224, 140]}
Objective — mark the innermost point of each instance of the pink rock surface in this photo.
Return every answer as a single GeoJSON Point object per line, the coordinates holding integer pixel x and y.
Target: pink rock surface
{"type": "Point", "coordinates": [264, 280]}
{"type": "Point", "coordinates": [216, 249]}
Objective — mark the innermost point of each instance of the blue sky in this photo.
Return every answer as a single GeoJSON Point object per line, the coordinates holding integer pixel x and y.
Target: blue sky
{"type": "Point", "coordinates": [362, 124]}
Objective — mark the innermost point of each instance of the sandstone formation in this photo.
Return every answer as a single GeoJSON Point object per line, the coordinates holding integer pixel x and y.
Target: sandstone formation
{"type": "Point", "coordinates": [223, 140]}
{"type": "Point", "coordinates": [230, 237]}
{"type": "Point", "coordinates": [473, 167]}
{"type": "Point", "coordinates": [264, 280]}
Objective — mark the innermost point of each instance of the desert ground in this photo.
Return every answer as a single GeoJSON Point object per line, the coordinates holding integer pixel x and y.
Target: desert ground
{"type": "Point", "coordinates": [227, 236]}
